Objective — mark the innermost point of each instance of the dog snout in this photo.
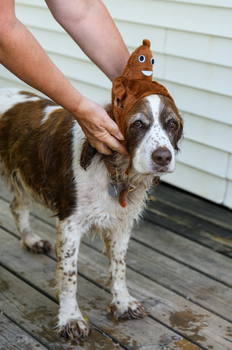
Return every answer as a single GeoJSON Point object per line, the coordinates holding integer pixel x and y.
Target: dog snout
{"type": "Point", "coordinates": [162, 156]}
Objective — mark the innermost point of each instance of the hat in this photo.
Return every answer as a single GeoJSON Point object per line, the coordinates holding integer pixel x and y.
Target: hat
{"type": "Point", "coordinates": [134, 84]}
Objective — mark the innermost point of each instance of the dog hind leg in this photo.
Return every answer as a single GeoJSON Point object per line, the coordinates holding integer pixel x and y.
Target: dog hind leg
{"type": "Point", "coordinates": [20, 209]}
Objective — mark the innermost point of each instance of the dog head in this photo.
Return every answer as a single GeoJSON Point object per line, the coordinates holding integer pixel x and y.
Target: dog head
{"type": "Point", "coordinates": [153, 128]}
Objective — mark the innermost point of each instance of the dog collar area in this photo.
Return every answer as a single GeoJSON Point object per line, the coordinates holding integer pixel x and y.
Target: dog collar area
{"type": "Point", "coordinates": [113, 188]}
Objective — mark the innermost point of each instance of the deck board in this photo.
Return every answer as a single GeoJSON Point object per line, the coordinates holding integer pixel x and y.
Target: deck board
{"type": "Point", "coordinates": [13, 337]}
{"type": "Point", "coordinates": [181, 279]}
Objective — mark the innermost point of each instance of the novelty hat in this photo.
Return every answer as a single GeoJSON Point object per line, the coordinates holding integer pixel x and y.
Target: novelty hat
{"type": "Point", "coordinates": [134, 84]}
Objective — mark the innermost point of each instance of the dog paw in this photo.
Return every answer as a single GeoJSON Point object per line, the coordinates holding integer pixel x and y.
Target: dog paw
{"type": "Point", "coordinates": [40, 247]}
{"type": "Point", "coordinates": [133, 310]}
{"type": "Point", "coordinates": [75, 329]}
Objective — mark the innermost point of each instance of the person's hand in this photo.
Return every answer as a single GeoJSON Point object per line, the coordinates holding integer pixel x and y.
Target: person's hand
{"type": "Point", "coordinates": [102, 132]}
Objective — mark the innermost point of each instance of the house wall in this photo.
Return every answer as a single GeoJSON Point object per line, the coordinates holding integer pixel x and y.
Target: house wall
{"type": "Point", "coordinates": [192, 46]}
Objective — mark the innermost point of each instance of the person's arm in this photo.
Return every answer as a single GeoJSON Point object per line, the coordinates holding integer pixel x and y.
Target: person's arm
{"type": "Point", "coordinates": [89, 23]}
{"type": "Point", "coordinates": [23, 56]}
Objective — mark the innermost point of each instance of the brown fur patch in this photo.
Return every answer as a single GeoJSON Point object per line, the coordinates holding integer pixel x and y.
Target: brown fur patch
{"type": "Point", "coordinates": [38, 153]}
{"type": "Point", "coordinates": [134, 135]}
{"type": "Point", "coordinates": [87, 154]}
{"type": "Point", "coordinates": [169, 108]}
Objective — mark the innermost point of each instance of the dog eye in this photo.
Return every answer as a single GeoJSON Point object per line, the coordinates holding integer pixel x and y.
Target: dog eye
{"type": "Point", "coordinates": [141, 58]}
{"type": "Point", "coordinates": [172, 125]}
{"type": "Point", "coordinates": [137, 124]}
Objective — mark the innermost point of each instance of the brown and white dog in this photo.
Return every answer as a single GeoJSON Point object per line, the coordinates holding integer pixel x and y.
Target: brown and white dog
{"type": "Point", "coordinates": [45, 157]}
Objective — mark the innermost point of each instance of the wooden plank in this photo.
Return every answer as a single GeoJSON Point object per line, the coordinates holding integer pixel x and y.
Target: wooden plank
{"type": "Point", "coordinates": [35, 313]}
{"type": "Point", "coordinates": [96, 269]}
{"type": "Point", "coordinates": [183, 250]}
{"type": "Point", "coordinates": [35, 269]}
{"type": "Point", "coordinates": [191, 321]}
{"type": "Point", "coordinates": [169, 211]}
{"type": "Point", "coordinates": [181, 279]}
{"type": "Point", "coordinates": [202, 259]}
{"type": "Point", "coordinates": [13, 337]}
{"type": "Point", "coordinates": [5, 192]}
{"type": "Point", "coordinates": [163, 304]}
{"type": "Point", "coordinates": [205, 260]}
{"type": "Point", "coordinates": [193, 205]}
{"type": "Point", "coordinates": [40, 229]}
{"type": "Point", "coordinates": [186, 224]}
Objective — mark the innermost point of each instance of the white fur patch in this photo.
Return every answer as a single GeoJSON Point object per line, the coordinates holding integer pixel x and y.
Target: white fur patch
{"type": "Point", "coordinates": [11, 96]}
{"type": "Point", "coordinates": [156, 137]}
{"type": "Point", "coordinates": [96, 209]}
{"type": "Point", "coordinates": [47, 112]}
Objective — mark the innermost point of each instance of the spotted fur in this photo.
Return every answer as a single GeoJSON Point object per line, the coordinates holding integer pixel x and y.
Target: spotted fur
{"type": "Point", "coordinates": [44, 157]}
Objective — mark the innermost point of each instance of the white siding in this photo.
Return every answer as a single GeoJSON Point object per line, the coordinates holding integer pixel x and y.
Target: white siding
{"type": "Point", "coordinates": [192, 45]}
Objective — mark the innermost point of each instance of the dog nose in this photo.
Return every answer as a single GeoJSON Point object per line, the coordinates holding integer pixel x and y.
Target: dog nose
{"type": "Point", "coordinates": [162, 156]}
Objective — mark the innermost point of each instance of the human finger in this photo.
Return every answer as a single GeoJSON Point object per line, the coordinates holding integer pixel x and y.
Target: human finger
{"type": "Point", "coordinates": [101, 147]}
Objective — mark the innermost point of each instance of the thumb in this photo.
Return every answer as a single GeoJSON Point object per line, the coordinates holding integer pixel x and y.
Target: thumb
{"type": "Point", "coordinates": [113, 129]}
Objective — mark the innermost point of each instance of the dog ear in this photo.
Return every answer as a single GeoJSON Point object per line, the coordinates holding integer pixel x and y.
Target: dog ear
{"type": "Point", "coordinates": [87, 154]}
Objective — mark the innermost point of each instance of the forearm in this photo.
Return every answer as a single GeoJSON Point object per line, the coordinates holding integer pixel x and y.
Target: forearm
{"type": "Point", "coordinates": [23, 56]}
{"type": "Point", "coordinates": [89, 23]}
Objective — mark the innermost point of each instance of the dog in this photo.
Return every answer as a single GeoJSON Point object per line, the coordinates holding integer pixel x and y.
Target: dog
{"type": "Point", "coordinates": [45, 157]}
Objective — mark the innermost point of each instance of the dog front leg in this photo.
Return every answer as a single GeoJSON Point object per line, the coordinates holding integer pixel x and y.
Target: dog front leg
{"type": "Point", "coordinates": [123, 304]}
{"type": "Point", "coordinates": [70, 320]}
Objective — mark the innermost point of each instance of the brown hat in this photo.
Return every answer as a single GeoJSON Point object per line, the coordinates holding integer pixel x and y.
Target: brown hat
{"type": "Point", "coordinates": [134, 84]}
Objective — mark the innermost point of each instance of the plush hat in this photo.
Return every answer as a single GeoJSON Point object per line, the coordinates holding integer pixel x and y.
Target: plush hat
{"type": "Point", "coordinates": [134, 84]}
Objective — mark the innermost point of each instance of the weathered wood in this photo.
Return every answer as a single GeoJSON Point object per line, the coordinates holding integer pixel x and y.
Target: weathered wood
{"type": "Point", "coordinates": [204, 232]}
{"type": "Point", "coordinates": [188, 319]}
{"type": "Point", "coordinates": [92, 299]}
{"type": "Point", "coordinates": [35, 313]}
{"type": "Point", "coordinates": [195, 323]}
{"type": "Point", "coordinates": [196, 223]}
{"type": "Point", "coordinates": [179, 248]}
{"type": "Point", "coordinates": [178, 313]}
{"type": "Point", "coordinates": [12, 337]}
{"type": "Point", "coordinates": [4, 191]}
{"type": "Point", "coordinates": [179, 278]}
{"type": "Point", "coordinates": [191, 204]}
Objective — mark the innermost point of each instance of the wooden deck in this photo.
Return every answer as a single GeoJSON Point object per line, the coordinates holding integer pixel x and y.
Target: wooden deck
{"type": "Point", "coordinates": [179, 264]}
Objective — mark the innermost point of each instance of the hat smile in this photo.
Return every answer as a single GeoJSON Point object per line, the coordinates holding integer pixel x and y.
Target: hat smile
{"type": "Point", "coordinates": [147, 72]}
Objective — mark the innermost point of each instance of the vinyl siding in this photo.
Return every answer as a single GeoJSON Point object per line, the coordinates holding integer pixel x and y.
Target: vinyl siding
{"type": "Point", "coordinates": [192, 46]}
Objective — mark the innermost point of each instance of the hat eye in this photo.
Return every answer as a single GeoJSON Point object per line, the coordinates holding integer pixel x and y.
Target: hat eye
{"type": "Point", "coordinates": [152, 61]}
{"type": "Point", "coordinates": [141, 58]}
